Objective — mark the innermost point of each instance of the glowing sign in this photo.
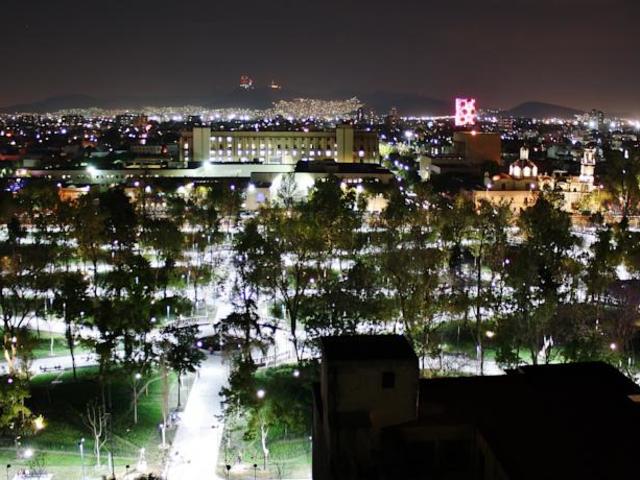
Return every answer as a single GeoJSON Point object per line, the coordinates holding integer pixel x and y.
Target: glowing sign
{"type": "Point", "coordinates": [465, 112]}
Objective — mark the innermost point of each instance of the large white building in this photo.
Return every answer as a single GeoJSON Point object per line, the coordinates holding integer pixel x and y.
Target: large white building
{"type": "Point", "coordinates": [344, 145]}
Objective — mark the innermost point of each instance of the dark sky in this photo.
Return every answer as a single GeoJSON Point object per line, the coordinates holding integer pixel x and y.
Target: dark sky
{"type": "Point", "coordinates": [580, 53]}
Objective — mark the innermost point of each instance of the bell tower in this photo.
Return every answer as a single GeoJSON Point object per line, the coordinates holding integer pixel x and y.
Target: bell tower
{"type": "Point", "coordinates": [588, 165]}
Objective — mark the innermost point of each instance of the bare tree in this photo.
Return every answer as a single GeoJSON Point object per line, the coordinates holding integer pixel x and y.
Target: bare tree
{"type": "Point", "coordinates": [95, 419]}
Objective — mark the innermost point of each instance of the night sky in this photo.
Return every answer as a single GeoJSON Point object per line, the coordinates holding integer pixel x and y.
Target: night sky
{"type": "Point", "coordinates": [578, 53]}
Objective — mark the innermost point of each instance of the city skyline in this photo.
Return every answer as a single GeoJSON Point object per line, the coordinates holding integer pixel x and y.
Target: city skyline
{"type": "Point", "coordinates": [575, 54]}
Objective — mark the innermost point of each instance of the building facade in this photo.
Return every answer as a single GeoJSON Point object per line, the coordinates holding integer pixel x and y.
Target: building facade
{"type": "Point", "coordinates": [521, 187]}
{"type": "Point", "coordinates": [344, 145]}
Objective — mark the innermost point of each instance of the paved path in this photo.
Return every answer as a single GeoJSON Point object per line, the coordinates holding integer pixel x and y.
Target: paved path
{"type": "Point", "coordinates": [194, 453]}
{"type": "Point", "coordinates": [56, 364]}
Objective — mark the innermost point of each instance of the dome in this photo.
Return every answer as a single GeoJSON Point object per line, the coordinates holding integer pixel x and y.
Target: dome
{"type": "Point", "coordinates": [523, 169]}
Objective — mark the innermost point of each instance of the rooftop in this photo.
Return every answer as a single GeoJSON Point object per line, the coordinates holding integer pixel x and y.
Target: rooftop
{"type": "Point", "coordinates": [366, 347]}
{"type": "Point", "coordinates": [553, 421]}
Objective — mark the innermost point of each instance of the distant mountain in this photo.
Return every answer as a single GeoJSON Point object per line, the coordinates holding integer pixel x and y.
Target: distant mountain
{"type": "Point", "coordinates": [66, 102]}
{"type": "Point", "coordinates": [542, 110]}
{"type": "Point", "coordinates": [258, 98]}
{"type": "Point", "coordinates": [52, 104]}
{"type": "Point", "coordinates": [407, 104]}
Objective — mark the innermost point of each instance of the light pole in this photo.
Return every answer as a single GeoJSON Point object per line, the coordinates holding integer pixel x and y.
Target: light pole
{"type": "Point", "coordinates": [8, 468]}
{"type": "Point", "coordinates": [163, 429]}
{"type": "Point", "coordinates": [255, 471]}
{"type": "Point", "coordinates": [81, 447]}
{"type": "Point", "coordinates": [136, 378]}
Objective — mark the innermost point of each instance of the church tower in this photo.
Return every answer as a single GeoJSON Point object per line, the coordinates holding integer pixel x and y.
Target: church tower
{"type": "Point", "coordinates": [588, 165]}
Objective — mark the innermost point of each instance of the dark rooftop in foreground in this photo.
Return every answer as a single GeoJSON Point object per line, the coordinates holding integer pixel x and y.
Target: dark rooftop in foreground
{"type": "Point", "coordinates": [546, 422]}
{"type": "Point", "coordinates": [572, 421]}
{"type": "Point", "coordinates": [367, 347]}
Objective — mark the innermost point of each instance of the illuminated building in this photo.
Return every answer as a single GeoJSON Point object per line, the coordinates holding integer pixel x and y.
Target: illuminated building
{"type": "Point", "coordinates": [506, 123]}
{"type": "Point", "coordinates": [275, 85]}
{"type": "Point", "coordinates": [246, 82]}
{"type": "Point", "coordinates": [466, 114]}
{"type": "Point", "coordinates": [522, 185]}
{"type": "Point", "coordinates": [587, 166]}
{"type": "Point", "coordinates": [344, 144]}
{"type": "Point", "coordinates": [392, 120]}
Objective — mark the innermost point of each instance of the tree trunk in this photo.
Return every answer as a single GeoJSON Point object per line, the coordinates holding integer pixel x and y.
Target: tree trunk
{"type": "Point", "coordinates": [264, 431]}
{"type": "Point", "coordinates": [70, 344]}
{"type": "Point", "coordinates": [95, 277]}
{"type": "Point", "coordinates": [135, 405]}
{"type": "Point", "coordinates": [96, 450]}
{"type": "Point", "coordinates": [179, 388]}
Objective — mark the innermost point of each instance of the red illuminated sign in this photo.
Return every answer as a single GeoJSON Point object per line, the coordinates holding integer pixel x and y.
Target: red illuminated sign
{"type": "Point", "coordinates": [465, 112]}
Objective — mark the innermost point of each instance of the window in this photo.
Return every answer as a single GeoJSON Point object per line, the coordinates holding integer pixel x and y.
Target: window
{"type": "Point", "coordinates": [388, 380]}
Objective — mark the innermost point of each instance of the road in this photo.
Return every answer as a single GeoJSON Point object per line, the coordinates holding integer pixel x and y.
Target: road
{"type": "Point", "coordinates": [194, 453]}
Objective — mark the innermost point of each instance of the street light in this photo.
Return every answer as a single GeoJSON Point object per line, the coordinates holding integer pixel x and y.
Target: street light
{"type": "Point", "coordinates": [261, 393]}
{"type": "Point", "coordinates": [163, 428]}
{"type": "Point", "coordinates": [81, 447]}
{"type": "Point", "coordinates": [8, 468]}
{"type": "Point", "coordinates": [38, 423]}
{"type": "Point", "coordinates": [28, 453]}
{"type": "Point", "coordinates": [136, 378]}
{"type": "Point", "coordinates": [255, 471]}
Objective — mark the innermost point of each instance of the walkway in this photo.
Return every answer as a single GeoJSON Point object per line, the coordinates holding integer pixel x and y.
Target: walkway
{"type": "Point", "coordinates": [194, 453]}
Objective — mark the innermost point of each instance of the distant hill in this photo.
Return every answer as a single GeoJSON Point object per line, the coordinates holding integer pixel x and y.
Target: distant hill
{"type": "Point", "coordinates": [542, 110]}
{"type": "Point", "coordinates": [52, 104]}
{"type": "Point", "coordinates": [407, 104]}
{"type": "Point", "coordinates": [258, 98]}
{"type": "Point", "coordinates": [65, 102]}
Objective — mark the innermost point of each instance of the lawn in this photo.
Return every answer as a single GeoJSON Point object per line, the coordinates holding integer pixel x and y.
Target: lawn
{"type": "Point", "coordinates": [41, 345]}
{"type": "Point", "coordinates": [288, 440]}
{"type": "Point", "coordinates": [63, 400]}
{"type": "Point", "coordinates": [289, 458]}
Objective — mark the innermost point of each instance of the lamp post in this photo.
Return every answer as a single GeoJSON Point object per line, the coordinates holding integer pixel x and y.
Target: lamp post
{"type": "Point", "coordinates": [255, 471]}
{"type": "Point", "coordinates": [8, 468]}
{"type": "Point", "coordinates": [81, 447]}
{"type": "Point", "coordinates": [17, 445]}
{"type": "Point", "coordinates": [136, 378]}
{"type": "Point", "coordinates": [163, 429]}
{"type": "Point", "coordinates": [126, 471]}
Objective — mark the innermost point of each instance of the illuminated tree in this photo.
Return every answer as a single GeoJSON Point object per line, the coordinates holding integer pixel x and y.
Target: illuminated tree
{"type": "Point", "coordinates": [72, 303]}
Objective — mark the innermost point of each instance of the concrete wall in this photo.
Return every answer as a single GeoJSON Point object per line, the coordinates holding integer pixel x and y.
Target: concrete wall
{"type": "Point", "coordinates": [201, 136]}
{"type": "Point", "coordinates": [344, 140]}
{"type": "Point", "coordinates": [478, 147]}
